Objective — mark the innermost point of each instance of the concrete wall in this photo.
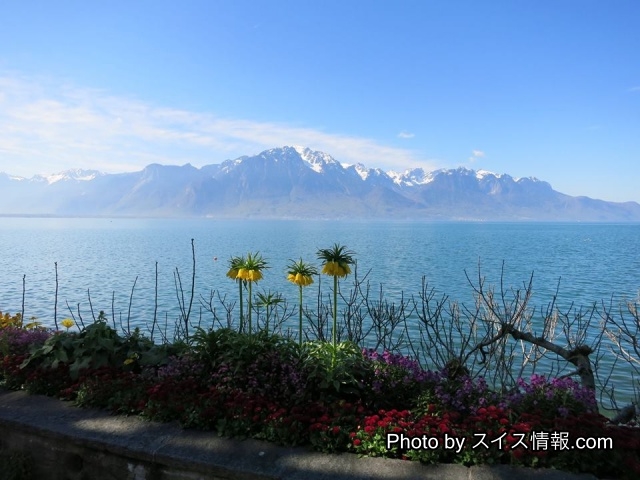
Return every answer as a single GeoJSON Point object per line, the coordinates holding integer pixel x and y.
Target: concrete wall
{"type": "Point", "coordinates": [60, 459]}
{"type": "Point", "coordinates": [69, 443]}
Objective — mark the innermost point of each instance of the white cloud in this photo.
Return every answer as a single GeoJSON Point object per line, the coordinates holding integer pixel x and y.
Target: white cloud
{"type": "Point", "coordinates": [46, 127]}
{"type": "Point", "coordinates": [476, 154]}
{"type": "Point", "coordinates": [406, 135]}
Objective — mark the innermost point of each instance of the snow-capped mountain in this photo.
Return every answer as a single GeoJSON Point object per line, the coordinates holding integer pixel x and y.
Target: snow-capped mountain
{"type": "Point", "coordinates": [68, 175]}
{"type": "Point", "coordinates": [296, 182]}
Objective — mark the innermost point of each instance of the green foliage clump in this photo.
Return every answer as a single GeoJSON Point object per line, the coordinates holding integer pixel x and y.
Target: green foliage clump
{"type": "Point", "coordinates": [335, 370]}
{"type": "Point", "coordinates": [97, 345]}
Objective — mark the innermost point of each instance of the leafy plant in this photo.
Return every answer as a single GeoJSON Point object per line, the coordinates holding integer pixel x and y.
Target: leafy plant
{"type": "Point", "coordinates": [97, 345]}
{"type": "Point", "coordinates": [335, 371]}
{"type": "Point", "coordinates": [268, 300]}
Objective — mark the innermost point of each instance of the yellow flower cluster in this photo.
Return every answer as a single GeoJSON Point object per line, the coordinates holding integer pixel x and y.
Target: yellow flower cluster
{"type": "Point", "coordinates": [247, 268]}
{"type": "Point", "coordinates": [300, 279]}
{"type": "Point", "coordinates": [67, 323]}
{"type": "Point", "coordinates": [7, 320]}
{"type": "Point", "coordinates": [249, 274]}
{"type": "Point", "coordinates": [232, 273]}
{"type": "Point", "coordinates": [336, 269]}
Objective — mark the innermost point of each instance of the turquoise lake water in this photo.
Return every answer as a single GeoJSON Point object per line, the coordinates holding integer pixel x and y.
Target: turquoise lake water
{"type": "Point", "coordinates": [102, 258]}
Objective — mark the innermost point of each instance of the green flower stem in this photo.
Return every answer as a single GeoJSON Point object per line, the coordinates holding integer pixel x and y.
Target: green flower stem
{"type": "Point", "coordinates": [249, 307]}
{"type": "Point", "coordinates": [300, 319]}
{"type": "Point", "coordinates": [335, 313]}
{"type": "Point", "coordinates": [241, 307]}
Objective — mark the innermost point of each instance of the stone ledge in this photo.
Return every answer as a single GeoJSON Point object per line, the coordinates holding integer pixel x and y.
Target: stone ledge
{"type": "Point", "coordinates": [71, 443]}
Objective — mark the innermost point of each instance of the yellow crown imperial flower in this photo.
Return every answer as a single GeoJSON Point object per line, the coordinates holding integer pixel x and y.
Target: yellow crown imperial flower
{"type": "Point", "coordinates": [336, 269]}
{"type": "Point", "coordinates": [234, 265]}
{"type": "Point", "coordinates": [254, 275]}
{"type": "Point", "coordinates": [249, 270]}
{"type": "Point", "coordinates": [300, 273]}
{"type": "Point", "coordinates": [336, 261]}
{"type": "Point", "coordinates": [301, 279]}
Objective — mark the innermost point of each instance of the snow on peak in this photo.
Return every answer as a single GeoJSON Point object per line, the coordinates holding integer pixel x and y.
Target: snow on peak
{"type": "Point", "coordinates": [363, 171]}
{"type": "Point", "coordinates": [411, 177]}
{"type": "Point", "coordinates": [77, 174]}
{"type": "Point", "coordinates": [480, 174]}
{"type": "Point", "coordinates": [316, 160]}
{"type": "Point", "coordinates": [16, 178]}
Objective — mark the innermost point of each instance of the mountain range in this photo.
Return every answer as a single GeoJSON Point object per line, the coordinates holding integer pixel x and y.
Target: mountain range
{"type": "Point", "coordinates": [296, 182]}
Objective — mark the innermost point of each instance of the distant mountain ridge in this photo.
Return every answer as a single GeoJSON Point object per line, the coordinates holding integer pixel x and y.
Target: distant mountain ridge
{"type": "Point", "coordinates": [296, 182]}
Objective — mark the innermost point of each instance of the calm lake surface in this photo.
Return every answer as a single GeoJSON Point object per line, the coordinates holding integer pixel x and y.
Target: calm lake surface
{"type": "Point", "coordinates": [593, 262]}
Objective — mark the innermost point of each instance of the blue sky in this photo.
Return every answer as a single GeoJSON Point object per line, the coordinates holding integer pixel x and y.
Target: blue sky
{"type": "Point", "coordinates": [543, 88]}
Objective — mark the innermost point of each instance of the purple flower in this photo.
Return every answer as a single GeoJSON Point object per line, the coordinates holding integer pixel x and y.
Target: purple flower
{"type": "Point", "coordinates": [18, 341]}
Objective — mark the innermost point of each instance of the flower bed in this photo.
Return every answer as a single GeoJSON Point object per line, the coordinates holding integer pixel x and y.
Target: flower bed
{"type": "Point", "coordinates": [333, 397]}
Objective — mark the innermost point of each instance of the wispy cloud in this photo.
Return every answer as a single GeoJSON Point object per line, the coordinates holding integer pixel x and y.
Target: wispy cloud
{"type": "Point", "coordinates": [476, 154]}
{"type": "Point", "coordinates": [635, 89]}
{"type": "Point", "coordinates": [406, 135]}
{"type": "Point", "coordinates": [47, 127]}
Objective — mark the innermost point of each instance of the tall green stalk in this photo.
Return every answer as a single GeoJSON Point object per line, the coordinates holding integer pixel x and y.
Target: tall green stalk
{"type": "Point", "coordinates": [235, 264]}
{"type": "Point", "coordinates": [301, 274]}
{"type": "Point", "coordinates": [241, 306]}
{"type": "Point", "coordinates": [300, 316]}
{"type": "Point", "coordinates": [336, 262]}
{"type": "Point", "coordinates": [334, 330]}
